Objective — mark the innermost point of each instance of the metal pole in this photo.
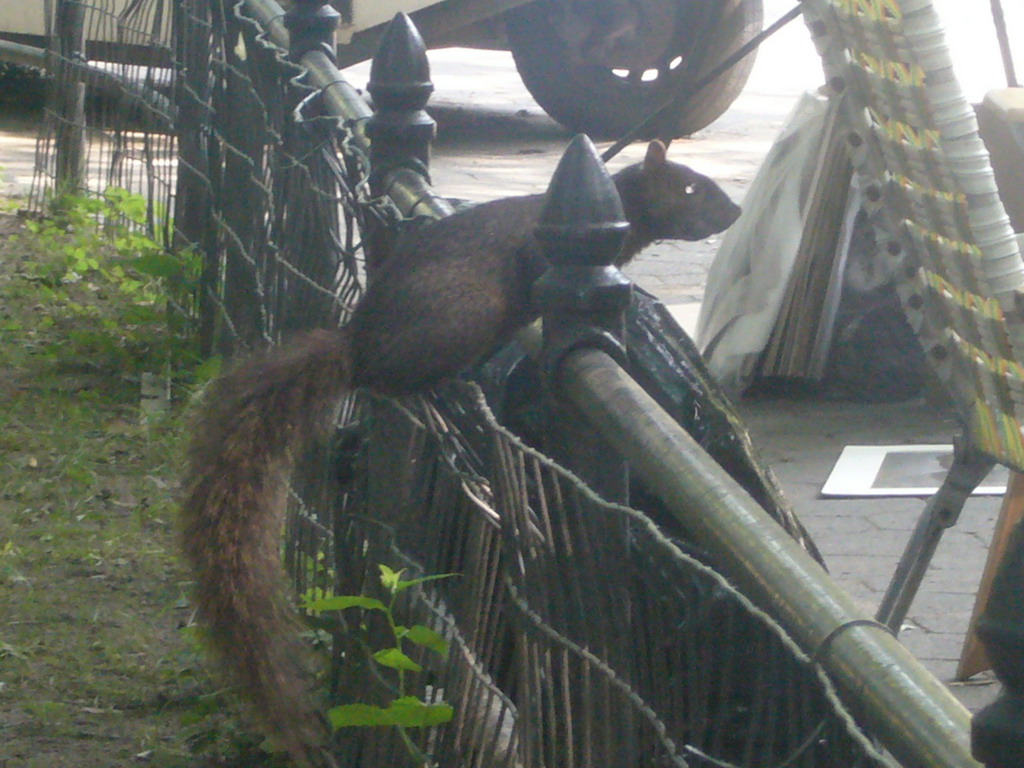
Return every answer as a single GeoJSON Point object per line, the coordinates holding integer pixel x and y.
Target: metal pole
{"type": "Point", "coordinates": [409, 190]}
{"type": "Point", "coordinates": [942, 511]}
{"type": "Point", "coordinates": [193, 222]}
{"type": "Point", "coordinates": [913, 714]}
{"type": "Point", "coordinates": [400, 132]}
{"type": "Point", "coordinates": [1004, 44]}
{"type": "Point", "coordinates": [69, 96]}
{"type": "Point", "coordinates": [583, 299]}
{"type": "Point", "coordinates": [16, 53]}
{"type": "Point", "coordinates": [340, 98]}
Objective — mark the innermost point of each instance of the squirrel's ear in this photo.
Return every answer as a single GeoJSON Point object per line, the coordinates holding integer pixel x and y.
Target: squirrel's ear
{"type": "Point", "coordinates": [656, 155]}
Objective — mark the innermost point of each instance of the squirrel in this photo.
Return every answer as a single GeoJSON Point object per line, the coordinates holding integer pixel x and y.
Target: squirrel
{"type": "Point", "coordinates": [449, 294]}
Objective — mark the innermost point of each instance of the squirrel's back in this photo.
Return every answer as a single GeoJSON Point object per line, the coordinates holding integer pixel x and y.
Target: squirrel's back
{"type": "Point", "coordinates": [450, 294]}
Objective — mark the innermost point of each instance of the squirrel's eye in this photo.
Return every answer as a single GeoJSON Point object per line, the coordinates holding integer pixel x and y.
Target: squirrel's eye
{"type": "Point", "coordinates": [690, 189]}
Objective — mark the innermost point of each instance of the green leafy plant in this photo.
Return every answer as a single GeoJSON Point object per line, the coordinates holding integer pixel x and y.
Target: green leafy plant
{"type": "Point", "coordinates": [115, 293]}
{"type": "Point", "coordinates": [94, 671]}
{"type": "Point", "coordinates": [405, 711]}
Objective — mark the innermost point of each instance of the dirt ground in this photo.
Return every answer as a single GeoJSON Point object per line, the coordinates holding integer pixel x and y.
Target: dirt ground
{"type": "Point", "coordinates": [98, 664]}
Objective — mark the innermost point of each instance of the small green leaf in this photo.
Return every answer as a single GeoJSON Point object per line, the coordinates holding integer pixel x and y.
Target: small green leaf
{"type": "Point", "coordinates": [158, 265]}
{"type": "Point", "coordinates": [428, 638]}
{"type": "Point", "coordinates": [358, 715]}
{"type": "Point", "coordinates": [403, 585]}
{"type": "Point", "coordinates": [393, 658]}
{"type": "Point", "coordinates": [408, 712]}
{"type": "Point", "coordinates": [209, 369]}
{"type": "Point", "coordinates": [389, 578]}
{"type": "Point", "coordinates": [131, 206]}
{"type": "Point", "coordinates": [341, 602]}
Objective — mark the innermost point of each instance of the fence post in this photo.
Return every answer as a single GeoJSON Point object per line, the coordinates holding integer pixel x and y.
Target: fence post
{"type": "Point", "coordinates": [583, 298]}
{"type": "Point", "coordinates": [69, 96]}
{"type": "Point", "coordinates": [309, 228]}
{"type": "Point", "coordinates": [193, 222]}
{"type": "Point", "coordinates": [240, 123]}
{"type": "Point", "coordinates": [311, 26]}
{"type": "Point", "coordinates": [400, 130]}
{"type": "Point", "coordinates": [997, 731]}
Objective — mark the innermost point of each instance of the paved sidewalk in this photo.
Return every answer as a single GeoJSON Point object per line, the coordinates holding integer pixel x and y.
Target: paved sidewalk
{"type": "Point", "coordinates": [862, 539]}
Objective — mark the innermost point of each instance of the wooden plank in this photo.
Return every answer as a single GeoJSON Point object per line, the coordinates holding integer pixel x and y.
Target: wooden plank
{"type": "Point", "coordinates": [972, 658]}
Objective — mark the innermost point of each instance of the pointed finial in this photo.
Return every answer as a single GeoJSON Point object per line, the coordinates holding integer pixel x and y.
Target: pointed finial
{"type": "Point", "coordinates": [582, 211]}
{"type": "Point", "coordinates": [400, 72]}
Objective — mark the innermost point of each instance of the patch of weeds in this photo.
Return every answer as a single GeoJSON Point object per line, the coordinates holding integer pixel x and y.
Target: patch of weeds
{"type": "Point", "coordinates": [113, 298]}
{"type": "Point", "coordinates": [405, 711]}
{"type": "Point", "coordinates": [49, 713]}
{"type": "Point", "coordinates": [96, 671]}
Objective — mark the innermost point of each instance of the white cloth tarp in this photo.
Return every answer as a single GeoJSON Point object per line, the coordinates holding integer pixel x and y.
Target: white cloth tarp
{"type": "Point", "coordinates": [748, 278]}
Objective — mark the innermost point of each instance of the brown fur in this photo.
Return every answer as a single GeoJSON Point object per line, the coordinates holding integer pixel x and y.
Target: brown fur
{"type": "Point", "coordinates": [450, 294]}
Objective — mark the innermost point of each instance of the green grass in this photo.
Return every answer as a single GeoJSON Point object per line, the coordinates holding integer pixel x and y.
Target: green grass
{"type": "Point", "coordinates": [96, 668]}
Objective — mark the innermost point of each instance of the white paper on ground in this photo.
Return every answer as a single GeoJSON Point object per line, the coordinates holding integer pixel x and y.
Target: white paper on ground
{"type": "Point", "coordinates": [900, 470]}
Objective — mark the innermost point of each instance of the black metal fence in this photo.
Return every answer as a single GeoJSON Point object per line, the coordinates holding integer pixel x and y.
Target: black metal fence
{"type": "Point", "coordinates": [108, 117]}
{"type": "Point", "coordinates": [187, 104]}
{"type": "Point", "coordinates": [582, 632]}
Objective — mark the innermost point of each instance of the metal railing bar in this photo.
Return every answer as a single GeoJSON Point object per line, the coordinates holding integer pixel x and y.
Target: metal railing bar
{"type": "Point", "coordinates": [914, 714]}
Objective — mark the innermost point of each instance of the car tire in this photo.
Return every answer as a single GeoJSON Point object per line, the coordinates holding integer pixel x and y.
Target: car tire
{"type": "Point", "coordinates": [605, 102]}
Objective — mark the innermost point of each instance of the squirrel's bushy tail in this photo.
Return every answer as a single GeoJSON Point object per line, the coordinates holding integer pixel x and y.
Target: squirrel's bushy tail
{"type": "Point", "coordinates": [255, 419]}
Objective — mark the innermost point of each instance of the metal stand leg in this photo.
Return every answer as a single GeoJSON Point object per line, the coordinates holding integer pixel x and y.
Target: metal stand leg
{"type": "Point", "coordinates": [942, 511]}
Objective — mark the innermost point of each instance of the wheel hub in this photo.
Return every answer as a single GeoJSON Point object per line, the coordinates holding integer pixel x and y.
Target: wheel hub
{"type": "Point", "coordinates": [619, 34]}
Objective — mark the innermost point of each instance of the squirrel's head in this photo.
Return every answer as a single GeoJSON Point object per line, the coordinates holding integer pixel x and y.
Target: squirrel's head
{"type": "Point", "coordinates": [674, 202]}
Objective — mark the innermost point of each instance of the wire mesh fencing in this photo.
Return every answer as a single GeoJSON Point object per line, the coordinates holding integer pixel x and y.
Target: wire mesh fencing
{"type": "Point", "coordinates": [185, 104]}
{"type": "Point", "coordinates": [108, 115]}
{"type": "Point", "coordinates": [580, 632]}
